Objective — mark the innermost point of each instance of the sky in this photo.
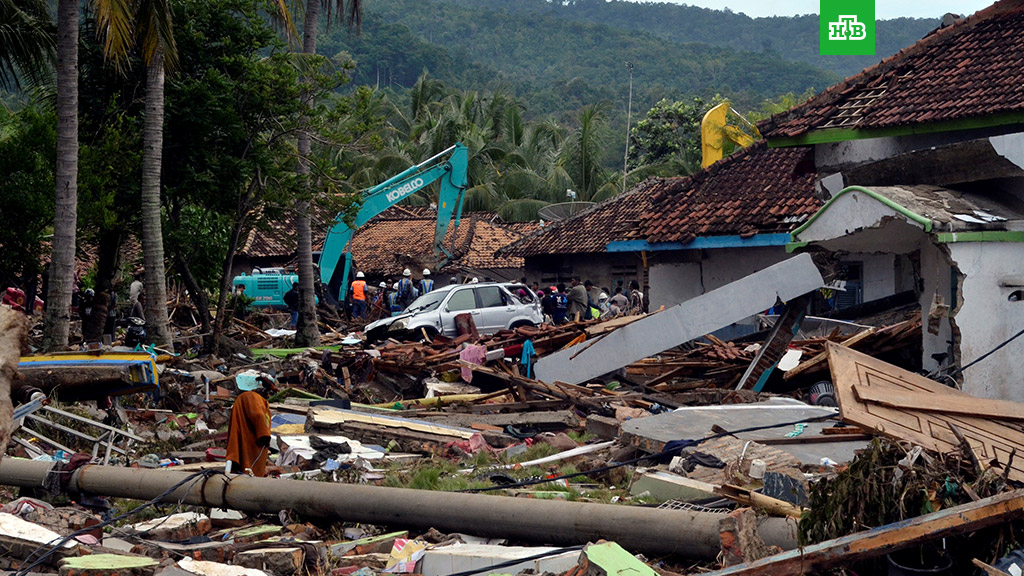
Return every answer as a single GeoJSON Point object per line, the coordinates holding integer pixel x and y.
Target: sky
{"type": "Point", "coordinates": [884, 9]}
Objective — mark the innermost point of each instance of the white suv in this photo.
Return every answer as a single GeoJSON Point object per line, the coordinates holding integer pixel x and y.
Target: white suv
{"type": "Point", "coordinates": [494, 306]}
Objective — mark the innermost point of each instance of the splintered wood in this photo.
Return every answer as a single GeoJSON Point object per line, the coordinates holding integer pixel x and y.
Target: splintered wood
{"type": "Point", "coordinates": [878, 396]}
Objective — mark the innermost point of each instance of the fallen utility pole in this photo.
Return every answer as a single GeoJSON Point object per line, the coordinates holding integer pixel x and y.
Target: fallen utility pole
{"type": "Point", "coordinates": [649, 530]}
{"type": "Point", "coordinates": [884, 539]}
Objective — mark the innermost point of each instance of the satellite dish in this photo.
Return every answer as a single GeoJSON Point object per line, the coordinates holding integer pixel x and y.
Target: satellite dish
{"type": "Point", "coordinates": [563, 210]}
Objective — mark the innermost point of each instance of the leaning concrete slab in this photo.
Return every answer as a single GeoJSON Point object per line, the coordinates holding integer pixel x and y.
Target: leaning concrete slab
{"type": "Point", "coordinates": [682, 323]}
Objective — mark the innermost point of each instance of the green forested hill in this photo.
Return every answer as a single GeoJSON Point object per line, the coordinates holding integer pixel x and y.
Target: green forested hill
{"type": "Point", "coordinates": [555, 64]}
{"type": "Point", "coordinates": [560, 56]}
{"type": "Point", "coordinates": [793, 38]}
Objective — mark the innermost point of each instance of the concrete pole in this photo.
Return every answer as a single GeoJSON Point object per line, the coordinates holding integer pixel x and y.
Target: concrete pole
{"type": "Point", "coordinates": [638, 529]}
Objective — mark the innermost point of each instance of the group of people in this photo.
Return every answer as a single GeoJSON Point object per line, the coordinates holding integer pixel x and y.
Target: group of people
{"type": "Point", "coordinates": [584, 301]}
{"type": "Point", "coordinates": [388, 298]}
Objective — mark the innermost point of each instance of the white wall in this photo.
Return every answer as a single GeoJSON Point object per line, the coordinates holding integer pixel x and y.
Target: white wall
{"type": "Point", "coordinates": [675, 282]}
{"type": "Point", "coordinates": [879, 275]}
{"type": "Point", "coordinates": [987, 318]}
{"type": "Point", "coordinates": [936, 271]}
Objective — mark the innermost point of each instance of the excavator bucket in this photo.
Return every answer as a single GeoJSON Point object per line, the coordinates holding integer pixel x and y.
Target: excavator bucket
{"type": "Point", "coordinates": [715, 131]}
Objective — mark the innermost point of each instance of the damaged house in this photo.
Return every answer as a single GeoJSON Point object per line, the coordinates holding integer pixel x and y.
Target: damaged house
{"type": "Point", "coordinates": [401, 237]}
{"type": "Point", "coordinates": [923, 164]}
{"type": "Point", "coordinates": [684, 236]}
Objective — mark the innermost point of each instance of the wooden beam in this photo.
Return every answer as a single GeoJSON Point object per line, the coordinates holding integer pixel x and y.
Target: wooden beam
{"type": "Point", "coordinates": [991, 439]}
{"type": "Point", "coordinates": [946, 403]}
{"type": "Point", "coordinates": [884, 539]}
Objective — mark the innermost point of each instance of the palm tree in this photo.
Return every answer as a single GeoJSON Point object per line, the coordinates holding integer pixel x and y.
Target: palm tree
{"type": "Point", "coordinates": [65, 221]}
{"type": "Point", "coordinates": [123, 22]}
{"type": "Point", "coordinates": [146, 24]}
{"type": "Point", "coordinates": [308, 332]}
{"type": "Point", "coordinates": [27, 41]}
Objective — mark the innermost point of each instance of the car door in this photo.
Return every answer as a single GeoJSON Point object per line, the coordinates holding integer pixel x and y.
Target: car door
{"type": "Point", "coordinates": [495, 309]}
{"type": "Point", "coordinates": [462, 300]}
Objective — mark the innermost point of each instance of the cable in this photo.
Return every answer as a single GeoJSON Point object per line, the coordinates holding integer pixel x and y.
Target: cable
{"type": "Point", "coordinates": [674, 450]}
{"type": "Point", "coordinates": [515, 561]}
{"type": "Point", "coordinates": [986, 355]}
{"type": "Point", "coordinates": [24, 570]}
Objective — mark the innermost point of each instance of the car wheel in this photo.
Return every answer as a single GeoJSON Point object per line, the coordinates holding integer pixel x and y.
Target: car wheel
{"type": "Point", "coordinates": [431, 332]}
{"type": "Point", "coordinates": [520, 324]}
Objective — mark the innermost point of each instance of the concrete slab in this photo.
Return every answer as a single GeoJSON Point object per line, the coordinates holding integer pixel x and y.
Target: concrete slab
{"type": "Point", "coordinates": [691, 319]}
{"type": "Point", "coordinates": [663, 486]}
{"type": "Point", "coordinates": [696, 422]}
{"type": "Point", "coordinates": [463, 557]}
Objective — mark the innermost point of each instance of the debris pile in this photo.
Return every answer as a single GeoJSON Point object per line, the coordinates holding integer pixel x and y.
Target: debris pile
{"type": "Point", "coordinates": [384, 457]}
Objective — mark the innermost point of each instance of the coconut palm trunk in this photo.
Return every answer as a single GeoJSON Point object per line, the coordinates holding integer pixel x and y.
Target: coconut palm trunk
{"type": "Point", "coordinates": [65, 222]}
{"type": "Point", "coordinates": [308, 331]}
{"type": "Point", "coordinates": [152, 228]}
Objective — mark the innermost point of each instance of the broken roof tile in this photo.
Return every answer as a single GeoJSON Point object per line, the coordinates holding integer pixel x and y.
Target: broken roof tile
{"type": "Point", "coordinates": [757, 190]}
{"type": "Point", "coordinates": [971, 69]}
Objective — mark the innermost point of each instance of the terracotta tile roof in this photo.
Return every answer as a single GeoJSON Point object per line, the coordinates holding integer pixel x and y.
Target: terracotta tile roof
{"type": "Point", "coordinates": [592, 229]}
{"type": "Point", "coordinates": [399, 238]}
{"type": "Point", "coordinates": [757, 190]}
{"type": "Point", "coordinates": [971, 69]}
{"type": "Point", "coordinates": [277, 239]}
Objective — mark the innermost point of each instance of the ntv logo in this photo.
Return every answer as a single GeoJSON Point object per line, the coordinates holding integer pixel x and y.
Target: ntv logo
{"type": "Point", "coordinates": [847, 28]}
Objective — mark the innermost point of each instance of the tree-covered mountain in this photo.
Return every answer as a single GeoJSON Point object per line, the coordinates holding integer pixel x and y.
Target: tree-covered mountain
{"type": "Point", "coordinates": [555, 64]}
{"type": "Point", "coordinates": [793, 38]}
{"type": "Point", "coordinates": [560, 56]}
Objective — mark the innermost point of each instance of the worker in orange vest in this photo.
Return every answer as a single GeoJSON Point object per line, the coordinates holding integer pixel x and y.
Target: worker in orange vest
{"type": "Point", "coordinates": [358, 294]}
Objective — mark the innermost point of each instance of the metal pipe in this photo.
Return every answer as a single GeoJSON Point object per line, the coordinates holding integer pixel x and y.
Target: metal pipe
{"type": "Point", "coordinates": [638, 529]}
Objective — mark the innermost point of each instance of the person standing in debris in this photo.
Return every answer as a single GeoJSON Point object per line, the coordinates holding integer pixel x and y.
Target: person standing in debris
{"type": "Point", "coordinates": [291, 300]}
{"type": "Point", "coordinates": [240, 302]}
{"type": "Point", "coordinates": [453, 281]}
{"type": "Point", "coordinates": [636, 298]}
{"type": "Point", "coordinates": [135, 288]}
{"type": "Point", "coordinates": [578, 308]}
{"type": "Point", "coordinates": [394, 302]}
{"type": "Point", "coordinates": [619, 302]}
{"type": "Point", "coordinates": [406, 289]}
{"type": "Point", "coordinates": [561, 304]}
{"type": "Point", "coordinates": [357, 294]}
{"type": "Point", "coordinates": [380, 302]}
{"type": "Point", "coordinates": [249, 431]}
{"type": "Point", "coordinates": [139, 308]}
{"type": "Point", "coordinates": [547, 304]}
{"type": "Point", "coordinates": [426, 284]}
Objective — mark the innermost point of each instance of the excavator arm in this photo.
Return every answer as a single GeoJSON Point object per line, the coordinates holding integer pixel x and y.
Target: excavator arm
{"type": "Point", "coordinates": [452, 174]}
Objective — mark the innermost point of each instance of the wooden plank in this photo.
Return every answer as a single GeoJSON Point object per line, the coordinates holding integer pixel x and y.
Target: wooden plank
{"type": "Point", "coordinates": [884, 539]}
{"type": "Point", "coordinates": [990, 438]}
{"type": "Point", "coordinates": [747, 497]}
{"type": "Point", "coordinates": [816, 361]}
{"type": "Point", "coordinates": [988, 570]}
{"type": "Point", "coordinates": [946, 403]}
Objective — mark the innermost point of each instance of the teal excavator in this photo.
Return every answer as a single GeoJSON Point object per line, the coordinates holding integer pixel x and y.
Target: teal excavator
{"type": "Point", "coordinates": [449, 167]}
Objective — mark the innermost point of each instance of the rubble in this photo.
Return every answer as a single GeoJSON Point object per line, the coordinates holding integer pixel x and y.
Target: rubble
{"type": "Point", "coordinates": [382, 453]}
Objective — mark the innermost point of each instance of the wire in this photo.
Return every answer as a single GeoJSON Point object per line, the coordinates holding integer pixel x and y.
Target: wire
{"type": "Point", "coordinates": [674, 451]}
{"type": "Point", "coordinates": [24, 570]}
{"type": "Point", "coordinates": [986, 355]}
{"type": "Point", "coordinates": [516, 561]}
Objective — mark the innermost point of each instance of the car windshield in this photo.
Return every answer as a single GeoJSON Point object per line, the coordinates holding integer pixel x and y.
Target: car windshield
{"type": "Point", "coordinates": [427, 302]}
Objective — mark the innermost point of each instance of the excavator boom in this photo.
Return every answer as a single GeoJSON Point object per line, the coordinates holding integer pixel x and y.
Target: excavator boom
{"type": "Point", "coordinates": [453, 182]}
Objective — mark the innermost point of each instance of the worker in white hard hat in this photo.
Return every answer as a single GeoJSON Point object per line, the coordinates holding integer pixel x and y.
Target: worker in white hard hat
{"type": "Point", "coordinates": [426, 284]}
{"type": "Point", "coordinates": [357, 294]}
{"type": "Point", "coordinates": [475, 280]}
{"type": "Point", "coordinates": [406, 289]}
